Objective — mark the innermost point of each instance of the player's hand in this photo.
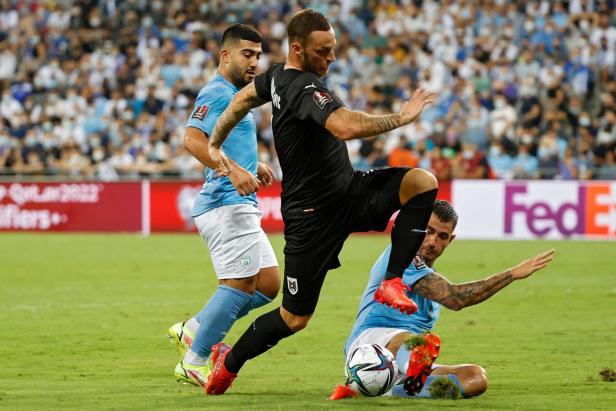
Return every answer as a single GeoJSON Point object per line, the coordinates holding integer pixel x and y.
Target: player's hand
{"type": "Point", "coordinates": [528, 267]}
{"type": "Point", "coordinates": [265, 174]}
{"type": "Point", "coordinates": [244, 182]}
{"type": "Point", "coordinates": [222, 166]}
{"type": "Point", "coordinates": [420, 99]}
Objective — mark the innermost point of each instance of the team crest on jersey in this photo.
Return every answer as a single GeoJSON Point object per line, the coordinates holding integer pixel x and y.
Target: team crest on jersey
{"type": "Point", "coordinates": [419, 263]}
{"type": "Point", "coordinates": [245, 262]}
{"type": "Point", "coordinates": [292, 285]}
{"type": "Point", "coordinates": [321, 98]}
{"type": "Point", "coordinates": [200, 112]}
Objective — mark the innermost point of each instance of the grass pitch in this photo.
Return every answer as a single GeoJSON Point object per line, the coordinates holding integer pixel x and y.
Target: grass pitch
{"type": "Point", "coordinates": [83, 322]}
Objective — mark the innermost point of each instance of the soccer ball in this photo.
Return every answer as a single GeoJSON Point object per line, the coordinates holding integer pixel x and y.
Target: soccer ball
{"type": "Point", "coordinates": [371, 370]}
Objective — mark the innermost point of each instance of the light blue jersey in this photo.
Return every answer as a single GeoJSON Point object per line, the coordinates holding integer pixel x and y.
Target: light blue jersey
{"type": "Point", "coordinates": [375, 315]}
{"type": "Point", "coordinates": [240, 146]}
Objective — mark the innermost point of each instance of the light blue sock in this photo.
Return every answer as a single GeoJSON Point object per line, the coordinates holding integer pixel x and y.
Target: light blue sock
{"type": "Point", "coordinates": [258, 300]}
{"type": "Point", "coordinates": [217, 317]}
{"type": "Point", "coordinates": [398, 390]}
{"type": "Point", "coordinates": [402, 359]}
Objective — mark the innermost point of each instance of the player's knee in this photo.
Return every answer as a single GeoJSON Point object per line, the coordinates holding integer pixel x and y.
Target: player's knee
{"type": "Point", "coordinates": [295, 322]}
{"type": "Point", "coordinates": [247, 285]}
{"type": "Point", "coordinates": [423, 180]}
{"type": "Point", "coordinates": [478, 381]}
{"type": "Point", "coordinates": [269, 284]}
{"type": "Point", "coordinates": [416, 182]}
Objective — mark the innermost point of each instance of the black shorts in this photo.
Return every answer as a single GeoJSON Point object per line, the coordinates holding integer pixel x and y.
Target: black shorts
{"type": "Point", "coordinates": [368, 204]}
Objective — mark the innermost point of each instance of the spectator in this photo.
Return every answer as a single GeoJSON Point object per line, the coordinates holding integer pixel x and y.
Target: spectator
{"type": "Point", "coordinates": [402, 155]}
{"type": "Point", "coordinates": [525, 165]}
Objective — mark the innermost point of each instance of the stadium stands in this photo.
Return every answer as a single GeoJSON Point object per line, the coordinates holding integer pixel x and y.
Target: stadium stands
{"type": "Point", "coordinates": [102, 89]}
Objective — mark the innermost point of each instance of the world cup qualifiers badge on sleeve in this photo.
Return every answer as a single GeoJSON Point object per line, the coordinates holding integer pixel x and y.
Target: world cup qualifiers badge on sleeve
{"type": "Point", "coordinates": [200, 113]}
{"type": "Point", "coordinates": [321, 98]}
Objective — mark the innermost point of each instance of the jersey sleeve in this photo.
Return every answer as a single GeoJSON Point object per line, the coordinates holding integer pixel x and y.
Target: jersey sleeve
{"type": "Point", "coordinates": [416, 271]}
{"type": "Point", "coordinates": [262, 84]}
{"type": "Point", "coordinates": [207, 111]}
{"type": "Point", "coordinates": [311, 99]}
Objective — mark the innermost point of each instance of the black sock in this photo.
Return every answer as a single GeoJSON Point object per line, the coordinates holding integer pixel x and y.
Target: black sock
{"type": "Point", "coordinates": [408, 232]}
{"type": "Point", "coordinates": [261, 335]}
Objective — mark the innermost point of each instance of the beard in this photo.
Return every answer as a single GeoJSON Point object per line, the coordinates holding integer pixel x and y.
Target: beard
{"type": "Point", "coordinates": [310, 66]}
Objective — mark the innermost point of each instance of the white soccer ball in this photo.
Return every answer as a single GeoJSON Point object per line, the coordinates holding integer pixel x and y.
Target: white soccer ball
{"type": "Point", "coordinates": [371, 370]}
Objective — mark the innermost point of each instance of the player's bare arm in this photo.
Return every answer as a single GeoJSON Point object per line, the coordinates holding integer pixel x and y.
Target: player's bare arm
{"type": "Point", "coordinates": [458, 296]}
{"type": "Point", "coordinates": [346, 124]}
{"type": "Point", "coordinates": [196, 143]}
{"type": "Point", "coordinates": [245, 100]}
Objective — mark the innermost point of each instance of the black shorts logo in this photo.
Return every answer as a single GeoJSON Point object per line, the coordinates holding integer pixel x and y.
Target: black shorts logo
{"type": "Point", "coordinates": [292, 285]}
{"type": "Point", "coordinates": [200, 112]}
{"type": "Point", "coordinates": [321, 98]}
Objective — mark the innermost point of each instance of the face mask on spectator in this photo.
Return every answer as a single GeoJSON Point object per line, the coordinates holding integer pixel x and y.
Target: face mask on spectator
{"type": "Point", "coordinates": [495, 151]}
{"type": "Point", "coordinates": [604, 137]}
{"type": "Point", "coordinates": [527, 138]}
{"type": "Point", "coordinates": [98, 155]}
{"type": "Point", "coordinates": [468, 154]}
{"type": "Point", "coordinates": [584, 121]}
{"type": "Point", "coordinates": [439, 127]}
{"type": "Point", "coordinates": [500, 103]}
{"type": "Point", "coordinates": [529, 25]}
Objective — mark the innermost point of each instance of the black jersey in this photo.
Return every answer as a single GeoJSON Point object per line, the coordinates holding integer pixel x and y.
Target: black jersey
{"type": "Point", "coordinates": [316, 169]}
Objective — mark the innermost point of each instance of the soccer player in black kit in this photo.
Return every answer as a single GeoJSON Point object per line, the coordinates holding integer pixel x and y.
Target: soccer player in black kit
{"type": "Point", "coordinates": [323, 198]}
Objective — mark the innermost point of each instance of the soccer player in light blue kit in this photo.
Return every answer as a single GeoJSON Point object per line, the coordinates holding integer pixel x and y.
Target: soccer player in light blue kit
{"type": "Point", "coordinates": [377, 324]}
{"type": "Point", "coordinates": [225, 211]}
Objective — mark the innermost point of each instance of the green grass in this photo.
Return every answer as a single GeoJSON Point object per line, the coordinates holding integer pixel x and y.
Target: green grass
{"type": "Point", "coordinates": [83, 321]}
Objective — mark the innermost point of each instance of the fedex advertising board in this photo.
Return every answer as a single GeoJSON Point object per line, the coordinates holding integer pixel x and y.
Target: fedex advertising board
{"type": "Point", "coordinates": [536, 209]}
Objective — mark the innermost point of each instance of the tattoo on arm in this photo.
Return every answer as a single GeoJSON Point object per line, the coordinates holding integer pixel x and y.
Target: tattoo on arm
{"type": "Point", "coordinates": [373, 125]}
{"type": "Point", "coordinates": [245, 100]}
{"type": "Point", "coordinates": [457, 296]}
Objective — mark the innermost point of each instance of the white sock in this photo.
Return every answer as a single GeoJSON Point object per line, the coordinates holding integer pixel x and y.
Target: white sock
{"type": "Point", "coordinates": [193, 358]}
{"type": "Point", "coordinates": [193, 324]}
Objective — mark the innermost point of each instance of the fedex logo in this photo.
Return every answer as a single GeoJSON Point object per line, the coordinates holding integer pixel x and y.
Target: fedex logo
{"type": "Point", "coordinates": [561, 209]}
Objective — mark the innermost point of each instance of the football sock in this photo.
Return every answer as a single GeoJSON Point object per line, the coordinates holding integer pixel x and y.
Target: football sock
{"type": "Point", "coordinates": [217, 317]}
{"type": "Point", "coordinates": [193, 324]}
{"type": "Point", "coordinates": [402, 359]}
{"type": "Point", "coordinates": [261, 335]}
{"type": "Point", "coordinates": [258, 300]}
{"type": "Point", "coordinates": [193, 358]}
{"type": "Point", "coordinates": [409, 232]}
{"type": "Point", "coordinates": [425, 392]}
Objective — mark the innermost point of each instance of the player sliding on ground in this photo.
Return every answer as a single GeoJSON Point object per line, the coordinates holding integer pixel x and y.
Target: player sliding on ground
{"type": "Point", "coordinates": [398, 333]}
{"type": "Point", "coordinates": [323, 199]}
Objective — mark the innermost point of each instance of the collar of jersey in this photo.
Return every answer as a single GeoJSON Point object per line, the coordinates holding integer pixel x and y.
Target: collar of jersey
{"type": "Point", "coordinates": [220, 77]}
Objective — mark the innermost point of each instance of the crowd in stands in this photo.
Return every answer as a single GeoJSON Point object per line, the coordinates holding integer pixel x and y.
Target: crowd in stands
{"type": "Point", "coordinates": [102, 89]}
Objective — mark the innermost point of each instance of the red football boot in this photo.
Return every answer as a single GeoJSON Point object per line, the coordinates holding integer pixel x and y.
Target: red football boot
{"type": "Point", "coordinates": [433, 343]}
{"type": "Point", "coordinates": [420, 363]}
{"type": "Point", "coordinates": [341, 392]}
{"type": "Point", "coordinates": [392, 293]}
{"type": "Point", "coordinates": [220, 379]}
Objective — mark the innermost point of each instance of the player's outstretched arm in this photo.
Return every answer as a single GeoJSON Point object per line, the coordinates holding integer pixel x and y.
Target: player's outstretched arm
{"type": "Point", "coordinates": [458, 296]}
{"type": "Point", "coordinates": [346, 124]}
{"type": "Point", "coordinates": [196, 143]}
{"type": "Point", "coordinates": [245, 100]}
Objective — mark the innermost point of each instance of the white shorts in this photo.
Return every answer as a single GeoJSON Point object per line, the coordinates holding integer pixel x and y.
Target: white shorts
{"type": "Point", "coordinates": [382, 337]}
{"type": "Point", "coordinates": [238, 246]}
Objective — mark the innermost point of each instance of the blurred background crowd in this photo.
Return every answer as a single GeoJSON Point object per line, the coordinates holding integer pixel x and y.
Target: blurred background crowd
{"type": "Point", "coordinates": [102, 89]}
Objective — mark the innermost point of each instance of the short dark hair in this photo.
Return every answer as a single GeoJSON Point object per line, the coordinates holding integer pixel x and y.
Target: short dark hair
{"type": "Point", "coordinates": [305, 22]}
{"type": "Point", "coordinates": [445, 212]}
{"type": "Point", "coordinates": [240, 32]}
